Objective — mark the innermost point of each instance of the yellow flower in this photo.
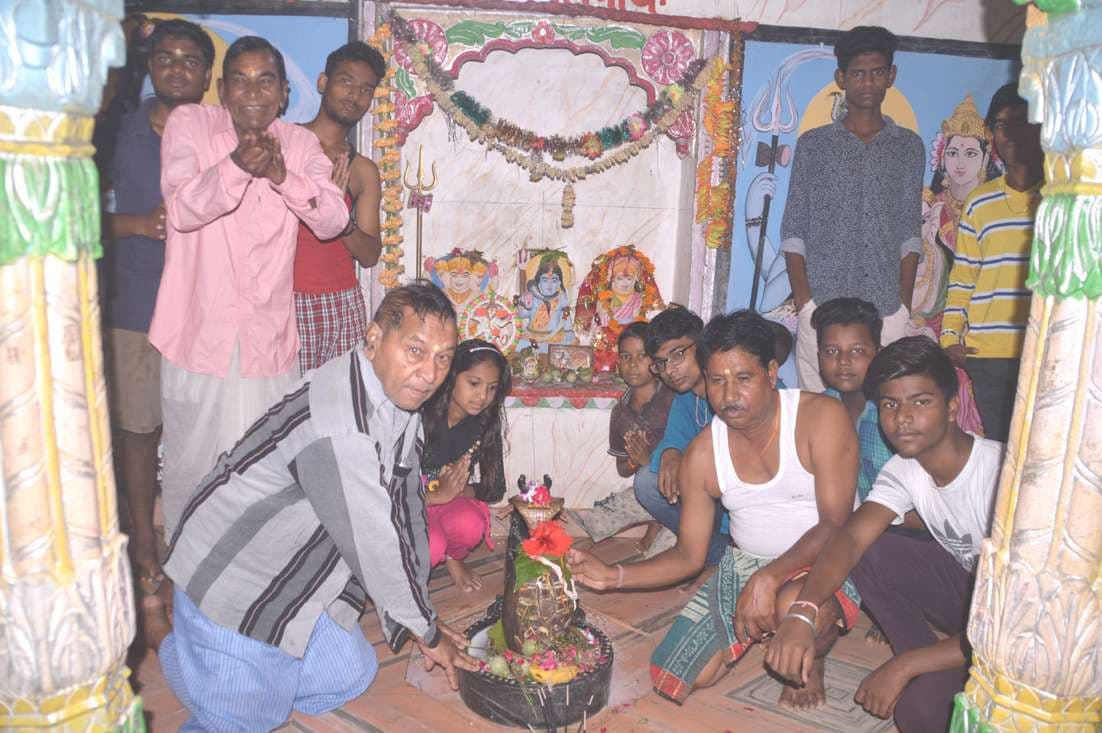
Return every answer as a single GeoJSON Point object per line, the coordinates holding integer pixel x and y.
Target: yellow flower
{"type": "Point", "coordinates": [386, 125]}
{"type": "Point", "coordinates": [552, 676]}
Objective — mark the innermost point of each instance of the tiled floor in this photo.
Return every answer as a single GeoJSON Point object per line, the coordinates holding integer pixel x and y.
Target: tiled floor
{"type": "Point", "coordinates": [404, 698]}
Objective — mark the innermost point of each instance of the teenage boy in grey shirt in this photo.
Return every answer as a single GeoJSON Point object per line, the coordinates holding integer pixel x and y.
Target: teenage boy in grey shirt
{"type": "Point", "coordinates": [852, 221]}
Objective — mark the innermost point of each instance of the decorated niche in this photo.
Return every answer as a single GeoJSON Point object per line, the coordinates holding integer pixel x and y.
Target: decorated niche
{"type": "Point", "coordinates": [543, 176]}
{"type": "Point", "coordinates": [619, 289]}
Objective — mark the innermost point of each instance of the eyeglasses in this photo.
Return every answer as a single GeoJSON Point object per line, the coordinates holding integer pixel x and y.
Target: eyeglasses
{"type": "Point", "coordinates": [676, 357]}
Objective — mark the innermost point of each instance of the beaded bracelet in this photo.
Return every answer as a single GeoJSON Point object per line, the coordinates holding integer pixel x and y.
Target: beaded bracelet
{"type": "Point", "coordinates": [805, 619]}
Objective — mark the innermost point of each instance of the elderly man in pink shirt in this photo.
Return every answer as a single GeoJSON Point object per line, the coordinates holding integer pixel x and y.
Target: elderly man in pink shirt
{"type": "Point", "coordinates": [236, 182]}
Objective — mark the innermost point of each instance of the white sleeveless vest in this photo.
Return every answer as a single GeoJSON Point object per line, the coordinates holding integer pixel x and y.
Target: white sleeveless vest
{"type": "Point", "coordinates": [767, 519]}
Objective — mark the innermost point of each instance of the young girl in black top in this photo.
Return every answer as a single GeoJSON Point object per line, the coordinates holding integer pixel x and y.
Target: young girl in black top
{"type": "Point", "coordinates": [464, 428]}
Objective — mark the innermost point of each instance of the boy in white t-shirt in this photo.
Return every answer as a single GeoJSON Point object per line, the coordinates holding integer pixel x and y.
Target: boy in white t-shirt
{"type": "Point", "coordinates": [949, 478]}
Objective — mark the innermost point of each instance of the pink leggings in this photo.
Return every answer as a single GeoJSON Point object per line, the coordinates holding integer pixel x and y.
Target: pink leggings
{"type": "Point", "coordinates": [457, 527]}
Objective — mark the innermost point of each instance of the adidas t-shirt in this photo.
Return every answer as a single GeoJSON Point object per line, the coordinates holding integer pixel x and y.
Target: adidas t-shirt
{"type": "Point", "coordinates": [958, 515]}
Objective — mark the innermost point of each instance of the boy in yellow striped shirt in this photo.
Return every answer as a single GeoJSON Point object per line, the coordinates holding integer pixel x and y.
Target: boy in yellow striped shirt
{"type": "Point", "coordinates": [987, 305]}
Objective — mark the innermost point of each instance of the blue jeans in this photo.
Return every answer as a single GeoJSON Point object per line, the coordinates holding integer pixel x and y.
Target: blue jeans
{"type": "Point", "coordinates": [669, 515]}
{"type": "Point", "coordinates": [233, 684]}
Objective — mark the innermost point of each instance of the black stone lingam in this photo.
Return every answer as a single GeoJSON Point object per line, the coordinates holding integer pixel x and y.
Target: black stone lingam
{"type": "Point", "coordinates": [529, 704]}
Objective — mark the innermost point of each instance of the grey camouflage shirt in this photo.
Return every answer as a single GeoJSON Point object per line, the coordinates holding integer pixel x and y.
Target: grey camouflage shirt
{"type": "Point", "coordinates": [854, 210]}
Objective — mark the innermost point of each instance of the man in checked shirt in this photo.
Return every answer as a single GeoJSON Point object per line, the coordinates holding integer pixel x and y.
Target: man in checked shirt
{"type": "Point", "coordinates": [317, 507]}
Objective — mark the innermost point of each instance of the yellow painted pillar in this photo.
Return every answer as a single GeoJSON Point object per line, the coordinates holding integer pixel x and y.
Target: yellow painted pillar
{"type": "Point", "coordinates": [66, 604]}
{"type": "Point", "coordinates": [1036, 621]}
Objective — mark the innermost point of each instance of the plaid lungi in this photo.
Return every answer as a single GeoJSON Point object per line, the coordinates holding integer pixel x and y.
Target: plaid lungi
{"type": "Point", "coordinates": [707, 624]}
{"type": "Point", "coordinates": [329, 324]}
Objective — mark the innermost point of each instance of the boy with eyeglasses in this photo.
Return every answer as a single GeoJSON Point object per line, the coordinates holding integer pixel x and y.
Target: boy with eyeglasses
{"type": "Point", "coordinates": [670, 344]}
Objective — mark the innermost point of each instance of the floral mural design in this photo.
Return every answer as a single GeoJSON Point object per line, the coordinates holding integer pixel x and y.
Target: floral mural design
{"type": "Point", "coordinates": [410, 112]}
{"type": "Point", "coordinates": [428, 33]}
{"type": "Point", "coordinates": [543, 32]}
{"type": "Point", "coordinates": [666, 56]}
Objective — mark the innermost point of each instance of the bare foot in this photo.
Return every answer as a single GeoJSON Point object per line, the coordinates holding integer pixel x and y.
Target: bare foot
{"type": "Point", "coordinates": [875, 635]}
{"type": "Point", "coordinates": [464, 579]}
{"type": "Point", "coordinates": [811, 695]}
{"type": "Point", "coordinates": [647, 539]}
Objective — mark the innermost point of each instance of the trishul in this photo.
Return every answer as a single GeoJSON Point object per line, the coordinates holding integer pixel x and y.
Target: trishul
{"type": "Point", "coordinates": [419, 198]}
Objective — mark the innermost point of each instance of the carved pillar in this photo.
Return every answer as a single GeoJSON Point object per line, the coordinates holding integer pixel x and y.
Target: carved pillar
{"type": "Point", "coordinates": [66, 606]}
{"type": "Point", "coordinates": [1036, 623]}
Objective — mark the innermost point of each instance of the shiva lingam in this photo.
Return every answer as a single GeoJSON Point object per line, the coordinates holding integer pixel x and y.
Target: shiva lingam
{"type": "Point", "coordinates": [541, 665]}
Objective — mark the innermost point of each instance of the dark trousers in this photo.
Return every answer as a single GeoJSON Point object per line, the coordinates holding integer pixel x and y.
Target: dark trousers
{"type": "Point", "coordinates": [993, 383]}
{"type": "Point", "coordinates": [908, 583]}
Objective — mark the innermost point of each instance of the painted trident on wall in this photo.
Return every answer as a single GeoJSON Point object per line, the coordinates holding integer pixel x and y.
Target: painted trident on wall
{"type": "Point", "coordinates": [419, 196]}
{"type": "Point", "coordinates": [774, 112]}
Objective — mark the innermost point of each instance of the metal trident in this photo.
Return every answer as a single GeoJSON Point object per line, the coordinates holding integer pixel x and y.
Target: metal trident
{"type": "Point", "coordinates": [419, 196]}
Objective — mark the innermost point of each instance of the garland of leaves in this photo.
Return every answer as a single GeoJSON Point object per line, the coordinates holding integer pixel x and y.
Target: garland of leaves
{"type": "Point", "coordinates": [390, 164]}
{"type": "Point", "coordinates": [480, 126]}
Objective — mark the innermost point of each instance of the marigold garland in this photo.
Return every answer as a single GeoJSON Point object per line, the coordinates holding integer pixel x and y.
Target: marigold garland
{"type": "Point", "coordinates": [390, 162]}
{"type": "Point", "coordinates": [713, 200]}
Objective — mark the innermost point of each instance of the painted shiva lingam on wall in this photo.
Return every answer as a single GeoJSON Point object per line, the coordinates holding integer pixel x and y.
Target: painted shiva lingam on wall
{"type": "Point", "coordinates": [540, 664]}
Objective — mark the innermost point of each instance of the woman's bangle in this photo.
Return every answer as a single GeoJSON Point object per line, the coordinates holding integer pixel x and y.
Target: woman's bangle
{"type": "Point", "coordinates": [619, 575]}
{"type": "Point", "coordinates": [809, 604]}
{"type": "Point", "coordinates": [805, 619]}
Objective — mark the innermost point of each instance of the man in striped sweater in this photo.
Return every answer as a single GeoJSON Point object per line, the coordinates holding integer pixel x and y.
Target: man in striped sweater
{"type": "Point", "coordinates": [987, 306]}
{"type": "Point", "coordinates": [317, 507]}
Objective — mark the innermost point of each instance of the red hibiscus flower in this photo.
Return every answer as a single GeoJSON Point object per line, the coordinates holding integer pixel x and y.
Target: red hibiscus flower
{"type": "Point", "coordinates": [548, 539]}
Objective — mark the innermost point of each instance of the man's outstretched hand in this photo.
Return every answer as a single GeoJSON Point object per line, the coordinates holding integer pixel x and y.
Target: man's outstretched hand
{"type": "Point", "coordinates": [449, 653]}
{"type": "Point", "coordinates": [587, 569]}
